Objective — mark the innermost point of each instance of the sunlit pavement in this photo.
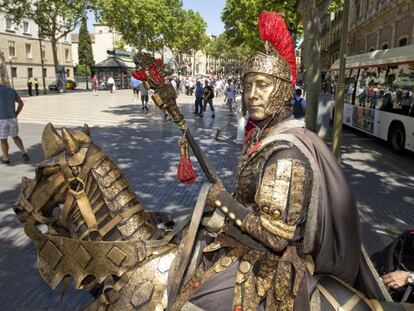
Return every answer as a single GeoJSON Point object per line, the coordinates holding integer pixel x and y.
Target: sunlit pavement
{"type": "Point", "coordinates": [145, 147]}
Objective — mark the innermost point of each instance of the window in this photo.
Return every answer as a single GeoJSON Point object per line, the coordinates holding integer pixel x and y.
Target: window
{"type": "Point", "coordinates": [14, 72]}
{"type": "Point", "coordinates": [43, 52]}
{"type": "Point", "coordinates": [402, 41]}
{"type": "Point", "coordinates": [30, 72]}
{"type": "Point", "coordinates": [9, 24]}
{"type": "Point", "coordinates": [45, 72]}
{"type": "Point", "coordinates": [67, 55]}
{"type": "Point", "coordinates": [26, 29]}
{"type": "Point", "coordinates": [12, 48]}
{"type": "Point", "coordinates": [28, 50]}
{"type": "Point", "coordinates": [67, 73]}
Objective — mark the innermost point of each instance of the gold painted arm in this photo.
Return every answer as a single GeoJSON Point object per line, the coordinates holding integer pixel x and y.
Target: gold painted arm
{"type": "Point", "coordinates": [281, 202]}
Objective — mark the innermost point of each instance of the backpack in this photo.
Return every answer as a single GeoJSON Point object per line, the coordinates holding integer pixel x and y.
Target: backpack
{"type": "Point", "coordinates": [297, 108]}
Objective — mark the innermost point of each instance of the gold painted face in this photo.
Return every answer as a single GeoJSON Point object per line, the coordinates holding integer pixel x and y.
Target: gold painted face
{"type": "Point", "coordinates": [257, 92]}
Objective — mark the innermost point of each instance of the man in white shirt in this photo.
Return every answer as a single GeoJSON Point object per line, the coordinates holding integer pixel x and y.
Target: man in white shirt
{"type": "Point", "coordinates": [229, 96]}
{"type": "Point", "coordinates": [111, 83]}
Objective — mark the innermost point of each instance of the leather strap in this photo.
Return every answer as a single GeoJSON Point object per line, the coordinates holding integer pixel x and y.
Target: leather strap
{"type": "Point", "coordinates": [67, 207]}
{"type": "Point", "coordinates": [120, 217]}
{"type": "Point", "coordinates": [92, 160]}
{"type": "Point", "coordinates": [331, 299]}
{"type": "Point", "coordinates": [86, 210]}
{"type": "Point", "coordinates": [43, 194]}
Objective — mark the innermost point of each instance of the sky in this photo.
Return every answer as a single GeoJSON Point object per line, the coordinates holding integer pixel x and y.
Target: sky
{"type": "Point", "coordinates": [209, 10]}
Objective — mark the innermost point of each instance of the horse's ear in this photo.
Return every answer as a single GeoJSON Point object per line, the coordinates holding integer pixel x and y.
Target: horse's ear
{"type": "Point", "coordinates": [52, 142]}
{"type": "Point", "coordinates": [86, 130]}
{"type": "Point", "coordinates": [70, 142]}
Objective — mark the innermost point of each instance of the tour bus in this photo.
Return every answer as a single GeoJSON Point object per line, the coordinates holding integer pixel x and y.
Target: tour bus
{"type": "Point", "coordinates": [379, 89]}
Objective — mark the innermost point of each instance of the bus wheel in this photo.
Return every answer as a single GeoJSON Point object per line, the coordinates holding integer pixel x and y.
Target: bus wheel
{"type": "Point", "coordinates": [396, 138]}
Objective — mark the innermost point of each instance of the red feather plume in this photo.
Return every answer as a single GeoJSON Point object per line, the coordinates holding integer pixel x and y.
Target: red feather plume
{"type": "Point", "coordinates": [272, 28]}
{"type": "Point", "coordinates": [140, 75]}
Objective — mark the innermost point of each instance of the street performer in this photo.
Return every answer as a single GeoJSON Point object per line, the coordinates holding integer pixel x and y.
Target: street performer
{"type": "Point", "coordinates": [292, 218]}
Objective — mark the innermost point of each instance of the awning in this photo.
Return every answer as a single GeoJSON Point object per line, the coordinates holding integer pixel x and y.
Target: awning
{"type": "Point", "coordinates": [115, 62]}
{"type": "Point", "coordinates": [401, 55]}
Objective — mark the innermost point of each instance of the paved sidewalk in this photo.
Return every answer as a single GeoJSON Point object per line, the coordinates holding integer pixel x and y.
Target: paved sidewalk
{"type": "Point", "coordinates": [145, 147]}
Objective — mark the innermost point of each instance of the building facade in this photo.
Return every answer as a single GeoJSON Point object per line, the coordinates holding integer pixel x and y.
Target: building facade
{"type": "Point", "coordinates": [24, 51]}
{"type": "Point", "coordinates": [380, 24]}
{"type": "Point", "coordinates": [330, 36]}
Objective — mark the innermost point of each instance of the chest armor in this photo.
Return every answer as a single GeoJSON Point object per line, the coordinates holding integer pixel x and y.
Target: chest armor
{"type": "Point", "coordinates": [250, 170]}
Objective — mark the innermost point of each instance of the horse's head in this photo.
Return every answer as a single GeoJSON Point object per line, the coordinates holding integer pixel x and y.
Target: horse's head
{"type": "Point", "coordinates": [41, 197]}
{"type": "Point", "coordinates": [80, 192]}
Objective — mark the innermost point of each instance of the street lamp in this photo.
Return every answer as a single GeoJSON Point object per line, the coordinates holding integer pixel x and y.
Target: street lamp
{"type": "Point", "coordinates": [11, 70]}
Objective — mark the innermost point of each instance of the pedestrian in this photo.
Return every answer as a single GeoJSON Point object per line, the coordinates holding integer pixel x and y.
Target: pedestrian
{"type": "Point", "coordinates": [144, 95]}
{"type": "Point", "coordinates": [229, 96]}
{"type": "Point", "coordinates": [298, 105]}
{"type": "Point", "coordinates": [95, 84]}
{"type": "Point", "coordinates": [8, 121]}
{"type": "Point", "coordinates": [362, 95]}
{"type": "Point", "coordinates": [36, 84]}
{"type": "Point", "coordinates": [111, 83]}
{"type": "Point", "coordinates": [135, 88]}
{"type": "Point", "coordinates": [208, 93]}
{"type": "Point", "coordinates": [198, 98]}
{"type": "Point", "coordinates": [29, 85]}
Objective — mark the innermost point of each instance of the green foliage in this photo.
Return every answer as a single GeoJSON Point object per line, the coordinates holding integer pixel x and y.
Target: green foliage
{"type": "Point", "coordinates": [190, 36]}
{"type": "Point", "coordinates": [82, 69]}
{"type": "Point", "coordinates": [85, 53]}
{"type": "Point", "coordinates": [240, 20]}
{"type": "Point", "coordinates": [154, 24]}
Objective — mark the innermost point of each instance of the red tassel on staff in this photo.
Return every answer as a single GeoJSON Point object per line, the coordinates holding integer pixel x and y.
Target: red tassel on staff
{"type": "Point", "coordinates": [185, 172]}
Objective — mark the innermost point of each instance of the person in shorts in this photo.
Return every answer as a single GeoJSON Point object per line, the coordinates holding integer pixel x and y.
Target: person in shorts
{"type": "Point", "coordinates": [144, 96]}
{"type": "Point", "coordinates": [95, 84]}
{"type": "Point", "coordinates": [8, 121]}
{"type": "Point", "coordinates": [135, 88]}
{"type": "Point", "coordinates": [229, 98]}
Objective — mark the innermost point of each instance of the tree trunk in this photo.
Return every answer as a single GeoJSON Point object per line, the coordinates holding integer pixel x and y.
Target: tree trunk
{"type": "Point", "coordinates": [4, 77]}
{"type": "Point", "coordinates": [55, 56]}
{"type": "Point", "coordinates": [311, 58]}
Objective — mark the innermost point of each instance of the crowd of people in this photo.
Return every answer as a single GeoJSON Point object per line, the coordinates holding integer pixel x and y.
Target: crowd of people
{"type": "Point", "coordinates": [387, 99]}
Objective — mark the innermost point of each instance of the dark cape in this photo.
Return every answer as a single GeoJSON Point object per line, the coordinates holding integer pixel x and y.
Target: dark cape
{"type": "Point", "coordinates": [337, 246]}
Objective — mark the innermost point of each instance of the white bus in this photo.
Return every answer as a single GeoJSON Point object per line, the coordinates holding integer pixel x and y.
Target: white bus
{"type": "Point", "coordinates": [379, 88]}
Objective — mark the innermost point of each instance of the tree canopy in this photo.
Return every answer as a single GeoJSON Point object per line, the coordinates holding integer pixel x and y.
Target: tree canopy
{"type": "Point", "coordinates": [154, 24]}
{"type": "Point", "coordinates": [85, 53]}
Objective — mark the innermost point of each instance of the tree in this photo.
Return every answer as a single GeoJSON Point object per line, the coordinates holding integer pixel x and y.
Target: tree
{"type": "Point", "coordinates": [302, 16]}
{"type": "Point", "coordinates": [55, 18]}
{"type": "Point", "coordinates": [155, 24]}
{"type": "Point", "coordinates": [85, 53]}
{"type": "Point", "coordinates": [191, 36]}
{"type": "Point", "coordinates": [142, 24]}
{"type": "Point", "coordinates": [4, 77]}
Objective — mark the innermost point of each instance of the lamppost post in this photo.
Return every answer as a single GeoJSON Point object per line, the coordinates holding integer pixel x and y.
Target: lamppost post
{"type": "Point", "coordinates": [11, 70]}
